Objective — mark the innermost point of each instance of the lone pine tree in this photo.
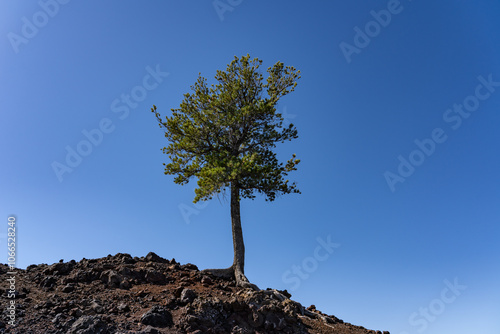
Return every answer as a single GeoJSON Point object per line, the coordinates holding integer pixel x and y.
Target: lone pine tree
{"type": "Point", "coordinates": [224, 135]}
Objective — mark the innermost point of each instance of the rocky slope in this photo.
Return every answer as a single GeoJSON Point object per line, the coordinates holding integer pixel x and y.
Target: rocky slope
{"type": "Point", "coordinates": [122, 294]}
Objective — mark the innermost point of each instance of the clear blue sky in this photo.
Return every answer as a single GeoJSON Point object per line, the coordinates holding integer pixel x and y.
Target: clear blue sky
{"type": "Point", "coordinates": [408, 220]}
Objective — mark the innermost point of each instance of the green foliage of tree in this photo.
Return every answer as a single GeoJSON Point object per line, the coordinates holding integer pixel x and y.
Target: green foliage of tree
{"type": "Point", "coordinates": [224, 136]}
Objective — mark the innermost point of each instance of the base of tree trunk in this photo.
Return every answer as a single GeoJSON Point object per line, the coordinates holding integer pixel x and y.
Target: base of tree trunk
{"type": "Point", "coordinates": [231, 273]}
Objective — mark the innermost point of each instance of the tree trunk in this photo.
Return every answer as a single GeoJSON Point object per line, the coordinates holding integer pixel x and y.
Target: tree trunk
{"type": "Point", "coordinates": [237, 270]}
{"type": "Point", "coordinates": [238, 244]}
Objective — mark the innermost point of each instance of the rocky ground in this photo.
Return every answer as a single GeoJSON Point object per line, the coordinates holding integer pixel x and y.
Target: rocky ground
{"type": "Point", "coordinates": [122, 294]}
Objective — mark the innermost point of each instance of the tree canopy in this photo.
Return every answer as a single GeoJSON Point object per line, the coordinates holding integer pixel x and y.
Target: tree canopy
{"type": "Point", "coordinates": [224, 134]}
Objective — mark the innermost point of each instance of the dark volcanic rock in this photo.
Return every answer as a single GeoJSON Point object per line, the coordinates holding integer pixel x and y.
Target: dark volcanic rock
{"type": "Point", "coordinates": [158, 317]}
{"type": "Point", "coordinates": [60, 268]}
{"type": "Point", "coordinates": [187, 296]}
{"type": "Point", "coordinates": [152, 257]}
{"type": "Point", "coordinates": [88, 325]}
{"type": "Point", "coordinates": [68, 287]}
{"type": "Point", "coordinates": [155, 277]}
{"type": "Point", "coordinates": [150, 295]}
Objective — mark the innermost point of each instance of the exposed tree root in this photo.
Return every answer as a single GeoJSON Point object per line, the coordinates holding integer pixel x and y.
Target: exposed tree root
{"type": "Point", "coordinates": [231, 273]}
{"type": "Point", "coordinates": [242, 280]}
{"type": "Point", "coordinates": [227, 273]}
